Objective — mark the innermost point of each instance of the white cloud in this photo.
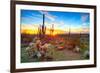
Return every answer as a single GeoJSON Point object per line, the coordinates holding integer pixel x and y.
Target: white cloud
{"type": "Point", "coordinates": [84, 18]}
{"type": "Point", "coordinates": [48, 15]}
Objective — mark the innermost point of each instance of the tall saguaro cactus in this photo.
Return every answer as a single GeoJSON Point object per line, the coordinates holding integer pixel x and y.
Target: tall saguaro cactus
{"type": "Point", "coordinates": [42, 29]}
{"type": "Point", "coordinates": [43, 26]}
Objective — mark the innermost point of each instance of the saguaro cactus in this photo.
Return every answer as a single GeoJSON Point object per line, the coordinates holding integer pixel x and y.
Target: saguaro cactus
{"type": "Point", "coordinates": [42, 29]}
{"type": "Point", "coordinates": [39, 31]}
{"type": "Point", "coordinates": [52, 29]}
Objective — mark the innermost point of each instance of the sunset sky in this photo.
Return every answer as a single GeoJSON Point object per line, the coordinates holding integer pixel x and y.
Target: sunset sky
{"type": "Point", "coordinates": [62, 21]}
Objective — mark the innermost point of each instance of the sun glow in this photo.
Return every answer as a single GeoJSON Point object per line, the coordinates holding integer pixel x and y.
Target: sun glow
{"type": "Point", "coordinates": [33, 29]}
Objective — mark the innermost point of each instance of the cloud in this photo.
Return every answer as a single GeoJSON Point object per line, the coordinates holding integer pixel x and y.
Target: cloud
{"type": "Point", "coordinates": [36, 15]}
{"type": "Point", "coordinates": [84, 18]}
{"type": "Point", "coordinates": [29, 19]}
{"type": "Point", "coordinates": [48, 15]}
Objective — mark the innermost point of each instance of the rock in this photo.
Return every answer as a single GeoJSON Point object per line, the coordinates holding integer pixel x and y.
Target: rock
{"type": "Point", "coordinates": [77, 49]}
{"type": "Point", "coordinates": [60, 48]}
{"type": "Point", "coordinates": [86, 54]}
{"type": "Point", "coordinates": [39, 54]}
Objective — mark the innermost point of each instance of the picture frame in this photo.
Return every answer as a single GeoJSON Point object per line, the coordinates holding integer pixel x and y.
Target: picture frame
{"type": "Point", "coordinates": [19, 9]}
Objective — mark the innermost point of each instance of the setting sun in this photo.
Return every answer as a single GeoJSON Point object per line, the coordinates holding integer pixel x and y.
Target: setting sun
{"type": "Point", "coordinates": [30, 29]}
